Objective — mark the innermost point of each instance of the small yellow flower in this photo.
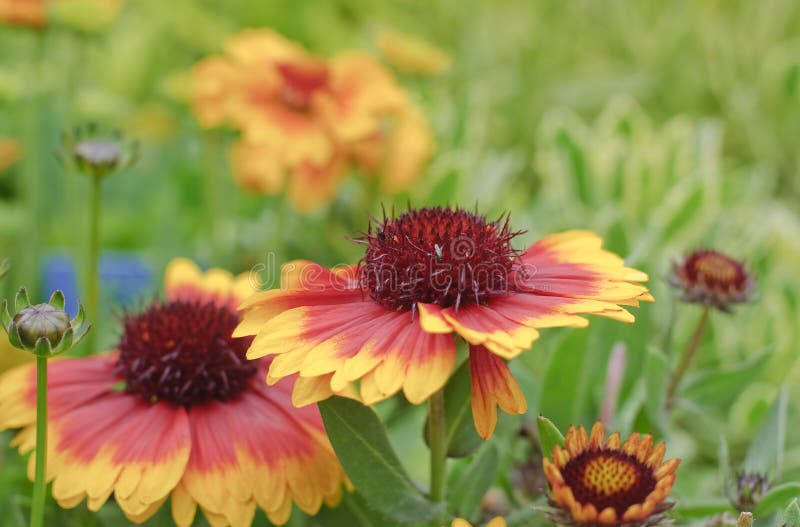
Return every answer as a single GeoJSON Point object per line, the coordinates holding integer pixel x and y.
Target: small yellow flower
{"type": "Point", "coordinates": [602, 482]}
{"type": "Point", "coordinates": [412, 55]}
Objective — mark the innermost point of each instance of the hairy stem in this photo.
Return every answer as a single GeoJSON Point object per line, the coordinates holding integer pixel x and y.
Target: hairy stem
{"type": "Point", "coordinates": [39, 483]}
{"type": "Point", "coordinates": [438, 444]}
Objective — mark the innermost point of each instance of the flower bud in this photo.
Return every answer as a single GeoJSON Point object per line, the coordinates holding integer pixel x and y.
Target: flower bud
{"type": "Point", "coordinates": [41, 321]}
{"type": "Point", "coordinates": [97, 153]}
{"type": "Point", "coordinates": [43, 329]}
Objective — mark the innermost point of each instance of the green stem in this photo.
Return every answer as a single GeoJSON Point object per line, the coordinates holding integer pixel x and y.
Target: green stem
{"type": "Point", "coordinates": [39, 484]}
{"type": "Point", "coordinates": [688, 355]}
{"type": "Point", "coordinates": [438, 443]}
{"type": "Point", "coordinates": [94, 256]}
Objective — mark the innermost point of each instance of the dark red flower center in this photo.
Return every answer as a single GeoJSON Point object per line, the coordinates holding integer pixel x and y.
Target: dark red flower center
{"type": "Point", "coordinates": [443, 256]}
{"type": "Point", "coordinates": [301, 82]}
{"type": "Point", "coordinates": [608, 478]}
{"type": "Point", "coordinates": [715, 270]}
{"type": "Point", "coordinates": [183, 352]}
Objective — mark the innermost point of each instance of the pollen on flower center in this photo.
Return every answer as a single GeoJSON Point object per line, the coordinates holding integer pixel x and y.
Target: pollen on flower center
{"type": "Point", "coordinates": [300, 83]}
{"type": "Point", "coordinates": [444, 256]}
{"type": "Point", "coordinates": [609, 478]}
{"type": "Point", "coordinates": [715, 268]}
{"type": "Point", "coordinates": [183, 352]}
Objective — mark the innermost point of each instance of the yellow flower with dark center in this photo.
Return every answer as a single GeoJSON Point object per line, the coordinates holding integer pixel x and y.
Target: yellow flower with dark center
{"type": "Point", "coordinates": [594, 481]}
{"type": "Point", "coordinates": [176, 411]}
{"type": "Point", "coordinates": [712, 279]}
{"type": "Point", "coordinates": [427, 276]}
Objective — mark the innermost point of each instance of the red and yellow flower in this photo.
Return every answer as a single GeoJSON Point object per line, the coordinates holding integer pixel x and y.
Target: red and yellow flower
{"type": "Point", "coordinates": [302, 116]}
{"type": "Point", "coordinates": [176, 411]}
{"type": "Point", "coordinates": [389, 322]}
{"type": "Point", "coordinates": [598, 481]}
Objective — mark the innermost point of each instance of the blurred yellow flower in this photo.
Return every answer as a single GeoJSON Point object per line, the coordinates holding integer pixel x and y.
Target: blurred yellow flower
{"type": "Point", "coordinates": [494, 522]}
{"type": "Point", "coordinates": [305, 119]}
{"type": "Point", "coordinates": [10, 153]}
{"type": "Point", "coordinates": [84, 15]}
{"type": "Point", "coordinates": [11, 356]}
{"type": "Point", "coordinates": [23, 12]}
{"type": "Point", "coordinates": [410, 54]}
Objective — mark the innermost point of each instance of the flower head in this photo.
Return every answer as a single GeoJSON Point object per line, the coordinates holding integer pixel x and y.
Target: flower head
{"type": "Point", "coordinates": [43, 329]}
{"type": "Point", "coordinates": [428, 275]}
{"type": "Point", "coordinates": [598, 481]}
{"type": "Point", "coordinates": [305, 119]}
{"type": "Point", "coordinates": [97, 153]}
{"type": "Point", "coordinates": [177, 412]}
{"type": "Point", "coordinates": [712, 279]}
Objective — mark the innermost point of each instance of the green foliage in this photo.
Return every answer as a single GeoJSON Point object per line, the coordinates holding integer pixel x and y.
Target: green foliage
{"type": "Point", "coordinates": [363, 448]}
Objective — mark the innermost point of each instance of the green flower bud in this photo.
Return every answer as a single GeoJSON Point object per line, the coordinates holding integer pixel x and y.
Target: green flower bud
{"type": "Point", "coordinates": [43, 329]}
{"type": "Point", "coordinates": [96, 152]}
{"type": "Point", "coordinates": [41, 321]}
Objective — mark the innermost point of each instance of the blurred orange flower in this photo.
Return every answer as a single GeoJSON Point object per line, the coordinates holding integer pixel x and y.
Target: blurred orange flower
{"type": "Point", "coordinates": [84, 15]}
{"type": "Point", "coordinates": [304, 118]}
{"type": "Point", "coordinates": [23, 12]}
{"type": "Point", "coordinates": [10, 152]}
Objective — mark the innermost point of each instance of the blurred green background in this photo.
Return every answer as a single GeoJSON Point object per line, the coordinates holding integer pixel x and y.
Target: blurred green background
{"type": "Point", "coordinates": [663, 127]}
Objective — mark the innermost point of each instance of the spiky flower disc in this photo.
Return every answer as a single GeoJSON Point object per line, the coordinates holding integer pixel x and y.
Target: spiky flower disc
{"type": "Point", "coordinates": [602, 482]}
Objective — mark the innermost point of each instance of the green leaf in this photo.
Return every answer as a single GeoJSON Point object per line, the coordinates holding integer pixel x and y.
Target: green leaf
{"type": "Point", "coordinates": [353, 512]}
{"type": "Point", "coordinates": [549, 435]}
{"type": "Point", "coordinates": [705, 509]}
{"type": "Point", "coordinates": [777, 498]}
{"type": "Point", "coordinates": [684, 214]}
{"type": "Point", "coordinates": [765, 454]}
{"type": "Point", "coordinates": [444, 191]}
{"type": "Point", "coordinates": [465, 496]}
{"type": "Point", "coordinates": [360, 442]}
{"type": "Point", "coordinates": [791, 515]}
{"type": "Point", "coordinates": [566, 369]}
{"type": "Point", "coordinates": [577, 166]}
{"type": "Point", "coordinates": [655, 379]}
{"type": "Point", "coordinates": [716, 386]}
{"type": "Point", "coordinates": [462, 439]}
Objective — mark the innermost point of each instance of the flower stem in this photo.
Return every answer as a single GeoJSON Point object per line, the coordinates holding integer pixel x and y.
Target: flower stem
{"type": "Point", "coordinates": [94, 250]}
{"type": "Point", "coordinates": [688, 356]}
{"type": "Point", "coordinates": [39, 483]}
{"type": "Point", "coordinates": [437, 440]}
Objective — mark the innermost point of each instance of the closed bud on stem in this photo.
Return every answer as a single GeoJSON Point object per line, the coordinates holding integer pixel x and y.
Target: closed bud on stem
{"type": "Point", "coordinates": [43, 329]}
{"type": "Point", "coordinates": [745, 519]}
